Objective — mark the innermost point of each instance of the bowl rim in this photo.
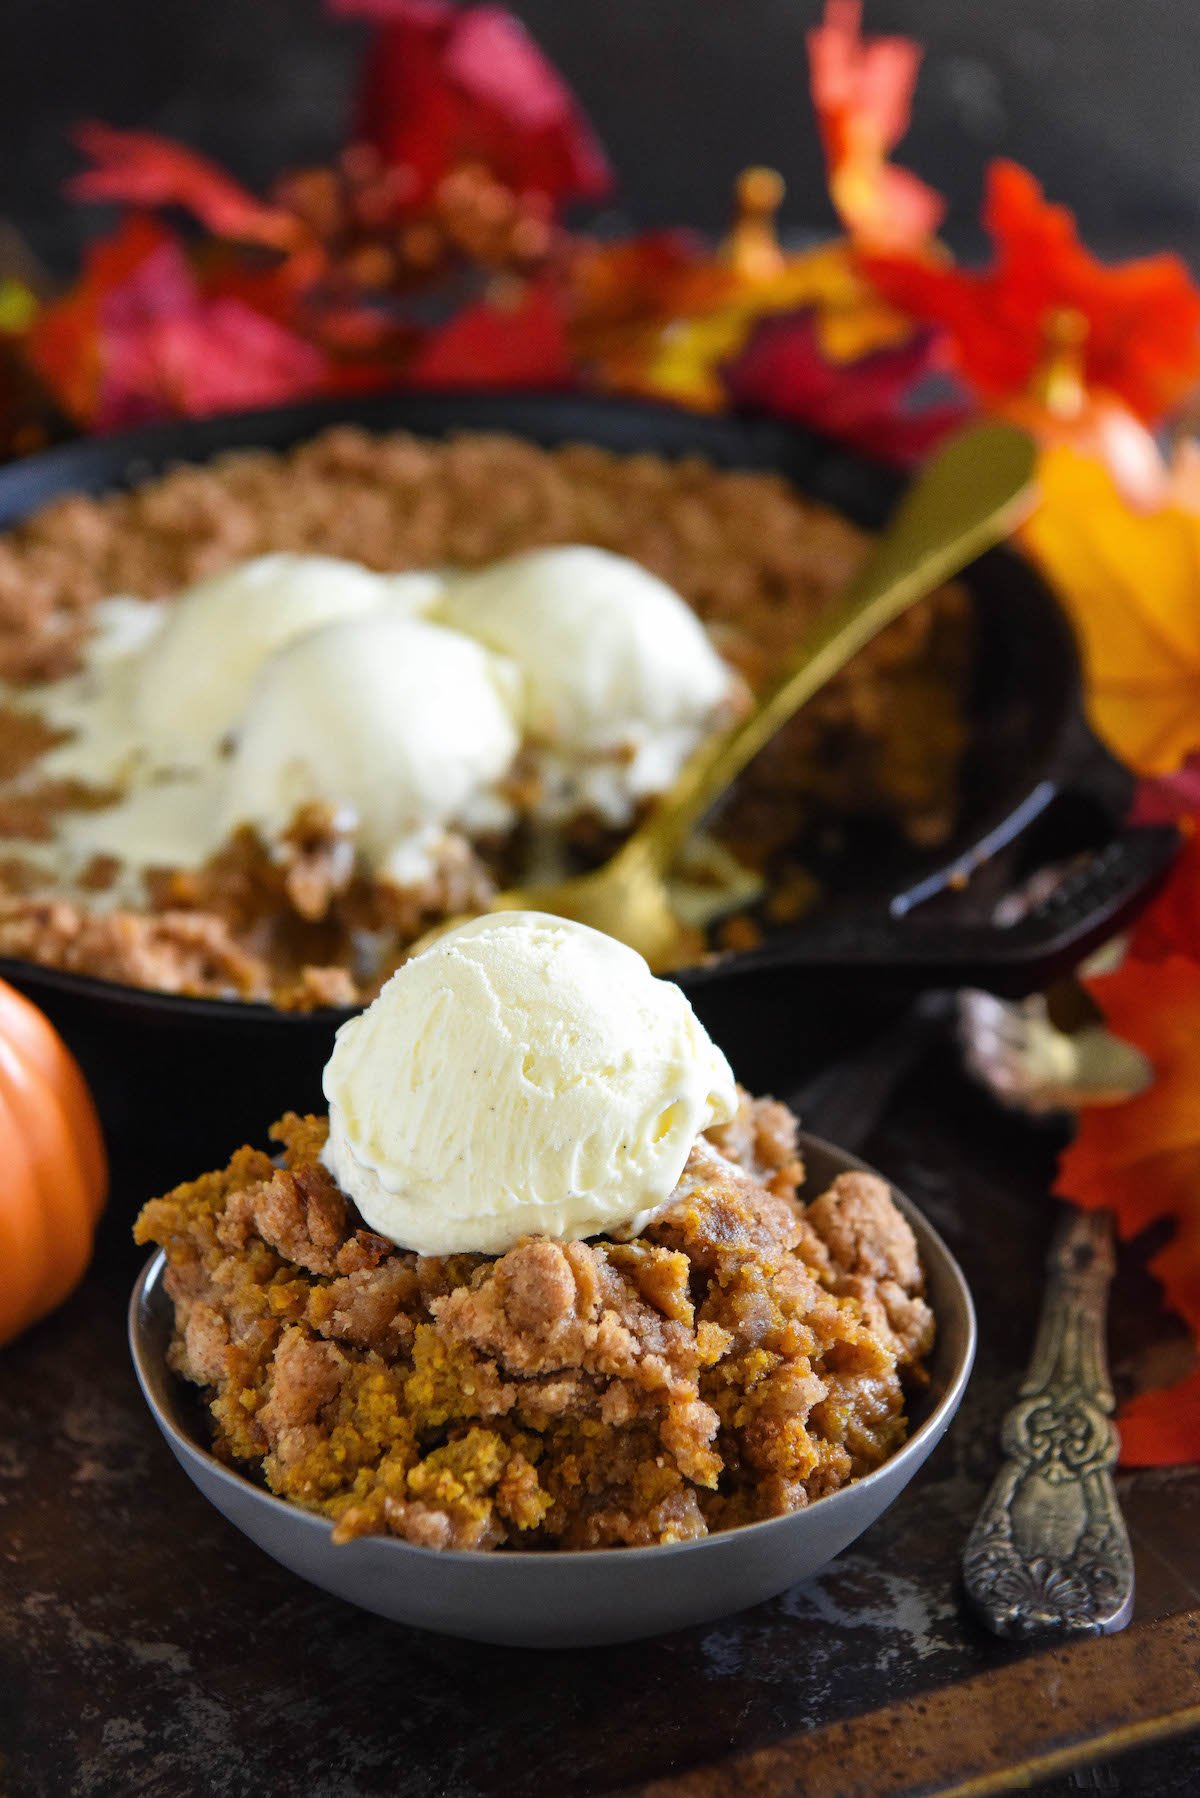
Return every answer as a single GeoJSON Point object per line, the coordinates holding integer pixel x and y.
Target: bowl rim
{"type": "Point", "coordinates": [148, 1290]}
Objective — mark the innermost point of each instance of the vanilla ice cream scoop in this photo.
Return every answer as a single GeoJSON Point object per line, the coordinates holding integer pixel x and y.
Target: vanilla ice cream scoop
{"type": "Point", "coordinates": [524, 1074]}
{"type": "Point", "coordinates": [196, 673]}
{"type": "Point", "coordinates": [615, 663]}
{"type": "Point", "coordinates": [403, 727]}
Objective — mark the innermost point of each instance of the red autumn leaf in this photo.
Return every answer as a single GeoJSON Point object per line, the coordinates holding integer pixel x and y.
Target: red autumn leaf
{"type": "Point", "coordinates": [138, 168]}
{"type": "Point", "coordinates": [1162, 1428]}
{"type": "Point", "coordinates": [64, 344]}
{"type": "Point", "coordinates": [872, 403]}
{"type": "Point", "coordinates": [137, 340]}
{"type": "Point", "coordinates": [288, 288]}
{"type": "Point", "coordinates": [1170, 925]}
{"type": "Point", "coordinates": [216, 357]}
{"type": "Point", "coordinates": [1139, 321]}
{"type": "Point", "coordinates": [862, 91]}
{"type": "Point", "coordinates": [1141, 1159]}
{"type": "Point", "coordinates": [494, 344]}
{"type": "Point", "coordinates": [1170, 798]}
{"type": "Point", "coordinates": [447, 85]}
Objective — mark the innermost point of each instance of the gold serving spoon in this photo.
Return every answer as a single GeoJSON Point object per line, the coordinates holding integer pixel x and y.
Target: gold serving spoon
{"type": "Point", "coordinates": [967, 498]}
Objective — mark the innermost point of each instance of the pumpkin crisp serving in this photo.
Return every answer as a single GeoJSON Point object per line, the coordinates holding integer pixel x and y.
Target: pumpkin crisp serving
{"type": "Point", "coordinates": [722, 1352]}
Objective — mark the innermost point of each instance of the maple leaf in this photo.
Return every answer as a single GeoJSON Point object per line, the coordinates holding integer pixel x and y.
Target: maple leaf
{"type": "Point", "coordinates": [511, 339]}
{"type": "Point", "coordinates": [862, 91]}
{"type": "Point", "coordinates": [1170, 924]}
{"type": "Point", "coordinates": [650, 277]}
{"type": "Point", "coordinates": [628, 298]}
{"type": "Point", "coordinates": [64, 343]}
{"type": "Point", "coordinates": [445, 86]}
{"type": "Point", "coordinates": [168, 351]}
{"type": "Point", "coordinates": [1170, 798]}
{"type": "Point", "coordinates": [1130, 582]}
{"type": "Point", "coordinates": [137, 340]}
{"type": "Point", "coordinates": [659, 315]}
{"type": "Point", "coordinates": [215, 356]}
{"type": "Point", "coordinates": [139, 168]}
{"type": "Point", "coordinates": [1141, 1160]}
{"type": "Point", "coordinates": [1133, 329]}
{"type": "Point", "coordinates": [1162, 1428]}
{"type": "Point", "coordinates": [871, 404]}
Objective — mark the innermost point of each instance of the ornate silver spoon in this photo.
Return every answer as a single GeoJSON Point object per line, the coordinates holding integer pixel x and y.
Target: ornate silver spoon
{"type": "Point", "coordinates": [1049, 1552]}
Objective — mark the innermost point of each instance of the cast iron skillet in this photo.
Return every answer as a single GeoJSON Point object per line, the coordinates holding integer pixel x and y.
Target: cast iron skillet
{"type": "Point", "coordinates": [203, 1074]}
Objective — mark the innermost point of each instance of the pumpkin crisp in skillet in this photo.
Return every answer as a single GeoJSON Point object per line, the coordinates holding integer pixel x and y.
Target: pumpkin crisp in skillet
{"type": "Point", "coordinates": [267, 721]}
{"type": "Point", "coordinates": [545, 1277]}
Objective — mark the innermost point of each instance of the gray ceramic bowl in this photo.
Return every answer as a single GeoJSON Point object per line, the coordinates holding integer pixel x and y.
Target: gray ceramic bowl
{"type": "Point", "coordinates": [551, 1598]}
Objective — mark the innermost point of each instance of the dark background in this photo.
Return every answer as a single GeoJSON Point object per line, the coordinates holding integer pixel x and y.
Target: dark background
{"type": "Point", "coordinates": [1098, 97]}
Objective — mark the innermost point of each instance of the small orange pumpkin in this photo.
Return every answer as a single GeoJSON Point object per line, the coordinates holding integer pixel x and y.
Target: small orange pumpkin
{"type": "Point", "coordinates": [54, 1174]}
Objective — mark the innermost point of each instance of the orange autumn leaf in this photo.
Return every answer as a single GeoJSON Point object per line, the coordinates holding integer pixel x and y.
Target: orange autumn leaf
{"type": "Point", "coordinates": [139, 168]}
{"type": "Point", "coordinates": [1138, 323]}
{"type": "Point", "coordinates": [862, 90]}
{"type": "Point", "coordinates": [1131, 584]}
{"type": "Point", "coordinates": [1141, 1160]}
{"type": "Point", "coordinates": [622, 295]}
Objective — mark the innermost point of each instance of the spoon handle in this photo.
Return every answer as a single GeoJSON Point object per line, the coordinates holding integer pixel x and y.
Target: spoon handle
{"type": "Point", "coordinates": [967, 498]}
{"type": "Point", "coordinates": [1049, 1552]}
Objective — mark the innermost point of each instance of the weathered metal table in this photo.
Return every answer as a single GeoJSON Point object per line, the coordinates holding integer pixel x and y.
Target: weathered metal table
{"type": "Point", "coordinates": [145, 1647]}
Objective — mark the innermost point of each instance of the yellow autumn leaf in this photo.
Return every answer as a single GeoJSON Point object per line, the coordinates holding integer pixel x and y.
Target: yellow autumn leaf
{"type": "Point", "coordinates": [1130, 581]}
{"type": "Point", "coordinates": [18, 306]}
{"type": "Point", "coordinates": [850, 319]}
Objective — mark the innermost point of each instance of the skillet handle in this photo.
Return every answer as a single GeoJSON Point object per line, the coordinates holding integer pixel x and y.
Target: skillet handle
{"type": "Point", "coordinates": [915, 953]}
{"type": "Point", "coordinates": [1082, 800]}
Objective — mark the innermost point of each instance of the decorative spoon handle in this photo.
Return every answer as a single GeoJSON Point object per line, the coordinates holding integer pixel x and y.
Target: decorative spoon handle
{"type": "Point", "coordinates": [1049, 1552]}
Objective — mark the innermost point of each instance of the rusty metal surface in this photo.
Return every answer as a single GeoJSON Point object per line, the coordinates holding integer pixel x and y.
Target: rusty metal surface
{"type": "Point", "coordinates": [145, 1646]}
{"type": "Point", "coordinates": [985, 1734]}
